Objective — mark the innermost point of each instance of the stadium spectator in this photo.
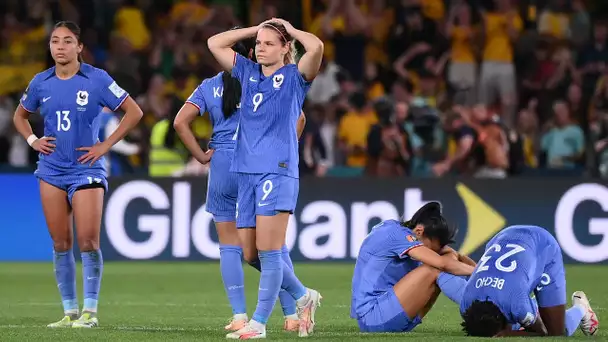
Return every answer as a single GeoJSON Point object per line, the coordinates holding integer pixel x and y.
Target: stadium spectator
{"type": "Point", "coordinates": [497, 80]}
{"type": "Point", "coordinates": [564, 142]}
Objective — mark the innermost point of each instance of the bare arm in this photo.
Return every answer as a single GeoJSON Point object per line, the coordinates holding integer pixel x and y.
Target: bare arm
{"type": "Point", "coordinates": [301, 124]}
{"type": "Point", "coordinates": [443, 263]}
{"type": "Point", "coordinates": [182, 122]}
{"type": "Point", "coordinates": [310, 62]}
{"type": "Point", "coordinates": [221, 44]}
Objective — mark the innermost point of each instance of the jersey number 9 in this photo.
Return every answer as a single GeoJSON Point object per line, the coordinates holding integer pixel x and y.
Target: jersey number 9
{"type": "Point", "coordinates": [63, 120]}
{"type": "Point", "coordinates": [257, 100]}
{"type": "Point", "coordinates": [499, 263]}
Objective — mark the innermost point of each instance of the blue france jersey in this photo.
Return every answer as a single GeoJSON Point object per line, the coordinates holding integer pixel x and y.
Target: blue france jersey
{"type": "Point", "coordinates": [509, 271]}
{"type": "Point", "coordinates": [70, 110]}
{"type": "Point", "coordinates": [381, 263]}
{"type": "Point", "coordinates": [267, 140]}
{"type": "Point", "coordinates": [208, 98]}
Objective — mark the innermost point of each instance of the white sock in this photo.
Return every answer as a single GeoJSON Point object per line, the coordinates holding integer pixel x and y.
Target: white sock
{"type": "Point", "coordinates": [240, 317]}
{"type": "Point", "coordinates": [257, 326]}
{"type": "Point", "coordinates": [292, 317]}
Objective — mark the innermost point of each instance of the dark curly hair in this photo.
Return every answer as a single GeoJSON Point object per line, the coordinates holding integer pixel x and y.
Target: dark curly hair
{"type": "Point", "coordinates": [483, 319]}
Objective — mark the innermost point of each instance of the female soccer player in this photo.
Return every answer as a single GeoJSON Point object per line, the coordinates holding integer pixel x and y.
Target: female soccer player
{"type": "Point", "coordinates": [71, 169]}
{"type": "Point", "coordinates": [220, 96]}
{"type": "Point", "coordinates": [266, 154]}
{"type": "Point", "coordinates": [399, 271]}
{"type": "Point", "coordinates": [520, 261]}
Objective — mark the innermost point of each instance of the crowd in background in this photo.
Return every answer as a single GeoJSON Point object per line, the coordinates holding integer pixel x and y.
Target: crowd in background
{"type": "Point", "coordinates": [421, 88]}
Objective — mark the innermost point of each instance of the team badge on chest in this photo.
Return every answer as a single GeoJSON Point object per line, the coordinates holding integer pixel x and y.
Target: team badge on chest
{"type": "Point", "coordinates": [277, 80]}
{"type": "Point", "coordinates": [82, 98]}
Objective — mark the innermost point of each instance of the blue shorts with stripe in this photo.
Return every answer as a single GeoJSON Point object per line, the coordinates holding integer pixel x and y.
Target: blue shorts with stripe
{"type": "Point", "coordinates": [387, 315]}
{"type": "Point", "coordinates": [222, 187]}
{"type": "Point", "coordinates": [265, 195]}
{"type": "Point", "coordinates": [70, 182]}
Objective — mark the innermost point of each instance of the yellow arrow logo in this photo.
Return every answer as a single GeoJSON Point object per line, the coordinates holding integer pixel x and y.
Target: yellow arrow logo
{"type": "Point", "coordinates": [483, 221]}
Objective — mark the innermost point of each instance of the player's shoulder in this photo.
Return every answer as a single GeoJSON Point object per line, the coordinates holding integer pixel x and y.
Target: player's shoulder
{"type": "Point", "coordinates": [91, 71]}
{"type": "Point", "coordinates": [42, 76]}
{"type": "Point", "coordinates": [213, 81]}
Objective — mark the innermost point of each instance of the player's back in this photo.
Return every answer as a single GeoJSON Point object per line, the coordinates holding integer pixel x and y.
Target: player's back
{"type": "Point", "coordinates": [381, 263]}
{"type": "Point", "coordinates": [207, 97]}
{"type": "Point", "coordinates": [70, 110]}
{"type": "Point", "coordinates": [510, 269]}
{"type": "Point", "coordinates": [267, 140]}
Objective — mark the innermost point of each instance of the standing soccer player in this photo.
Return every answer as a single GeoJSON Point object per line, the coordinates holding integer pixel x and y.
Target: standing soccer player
{"type": "Point", "coordinates": [266, 155]}
{"type": "Point", "coordinates": [71, 169]}
{"type": "Point", "coordinates": [220, 96]}
{"type": "Point", "coordinates": [521, 281]}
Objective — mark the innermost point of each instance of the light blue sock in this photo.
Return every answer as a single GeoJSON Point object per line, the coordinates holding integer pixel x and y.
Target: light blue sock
{"type": "Point", "coordinates": [233, 277]}
{"type": "Point", "coordinates": [287, 302]}
{"type": "Point", "coordinates": [65, 275]}
{"type": "Point", "coordinates": [452, 286]}
{"type": "Point", "coordinates": [574, 315]}
{"type": "Point", "coordinates": [270, 284]}
{"type": "Point", "coordinates": [92, 270]}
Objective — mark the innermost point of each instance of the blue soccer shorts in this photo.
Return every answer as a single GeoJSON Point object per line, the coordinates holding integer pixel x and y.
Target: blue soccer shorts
{"type": "Point", "coordinates": [551, 290]}
{"type": "Point", "coordinates": [72, 182]}
{"type": "Point", "coordinates": [222, 187]}
{"type": "Point", "coordinates": [387, 315]}
{"type": "Point", "coordinates": [265, 195]}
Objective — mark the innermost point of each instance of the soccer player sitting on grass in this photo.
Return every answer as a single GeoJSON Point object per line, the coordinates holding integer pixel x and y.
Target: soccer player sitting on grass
{"type": "Point", "coordinates": [401, 269]}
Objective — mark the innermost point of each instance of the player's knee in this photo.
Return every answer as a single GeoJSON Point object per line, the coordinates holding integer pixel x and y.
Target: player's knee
{"type": "Point", "coordinates": [430, 271]}
{"type": "Point", "coordinates": [250, 255]}
{"type": "Point", "coordinates": [88, 244]}
{"type": "Point", "coordinates": [62, 245]}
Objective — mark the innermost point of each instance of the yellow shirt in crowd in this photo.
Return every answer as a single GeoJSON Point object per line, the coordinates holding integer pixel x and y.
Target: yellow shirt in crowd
{"type": "Point", "coordinates": [498, 47]}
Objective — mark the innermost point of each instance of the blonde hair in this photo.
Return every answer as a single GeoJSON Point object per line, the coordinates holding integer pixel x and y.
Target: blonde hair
{"type": "Point", "coordinates": [292, 54]}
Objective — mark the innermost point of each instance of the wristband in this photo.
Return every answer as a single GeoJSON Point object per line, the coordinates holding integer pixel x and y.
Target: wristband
{"type": "Point", "coordinates": [31, 139]}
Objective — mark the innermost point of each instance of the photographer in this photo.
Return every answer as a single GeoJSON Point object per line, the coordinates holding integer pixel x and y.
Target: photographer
{"type": "Point", "coordinates": [388, 146]}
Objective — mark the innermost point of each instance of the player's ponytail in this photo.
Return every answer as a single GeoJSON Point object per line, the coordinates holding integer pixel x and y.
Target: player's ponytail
{"type": "Point", "coordinates": [231, 97]}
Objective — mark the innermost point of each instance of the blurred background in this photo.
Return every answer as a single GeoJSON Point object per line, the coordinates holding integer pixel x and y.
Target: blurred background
{"type": "Point", "coordinates": [408, 88]}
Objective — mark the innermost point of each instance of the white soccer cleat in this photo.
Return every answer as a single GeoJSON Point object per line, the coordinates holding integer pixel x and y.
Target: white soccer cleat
{"type": "Point", "coordinates": [306, 312]}
{"type": "Point", "coordinates": [589, 323]}
{"type": "Point", "coordinates": [248, 332]}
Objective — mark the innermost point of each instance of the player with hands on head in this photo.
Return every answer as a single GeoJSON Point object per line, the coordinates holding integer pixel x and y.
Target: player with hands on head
{"type": "Point", "coordinates": [266, 155]}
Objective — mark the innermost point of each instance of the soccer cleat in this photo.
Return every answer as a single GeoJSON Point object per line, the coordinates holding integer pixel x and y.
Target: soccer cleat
{"type": "Point", "coordinates": [65, 322]}
{"type": "Point", "coordinates": [291, 325]}
{"type": "Point", "coordinates": [248, 332]}
{"type": "Point", "coordinates": [589, 323]}
{"type": "Point", "coordinates": [236, 324]}
{"type": "Point", "coordinates": [87, 320]}
{"type": "Point", "coordinates": [306, 312]}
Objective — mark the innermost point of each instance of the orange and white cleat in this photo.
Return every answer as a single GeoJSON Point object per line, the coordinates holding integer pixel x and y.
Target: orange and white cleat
{"type": "Point", "coordinates": [291, 325]}
{"type": "Point", "coordinates": [249, 332]}
{"type": "Point", "coordinates": [307, 307]}
{"type": "Point", "coordinates": [236, 323]}
{"type": "Point", "coordinates": [590, 323]}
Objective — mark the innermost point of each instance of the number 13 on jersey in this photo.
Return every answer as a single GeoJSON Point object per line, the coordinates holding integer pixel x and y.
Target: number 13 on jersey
{"type": "Point", "coordinates": [63, 120]}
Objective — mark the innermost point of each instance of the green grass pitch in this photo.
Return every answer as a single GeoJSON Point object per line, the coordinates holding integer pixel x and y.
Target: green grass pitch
{"type": "Point", "coordinates": [185, 301]}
